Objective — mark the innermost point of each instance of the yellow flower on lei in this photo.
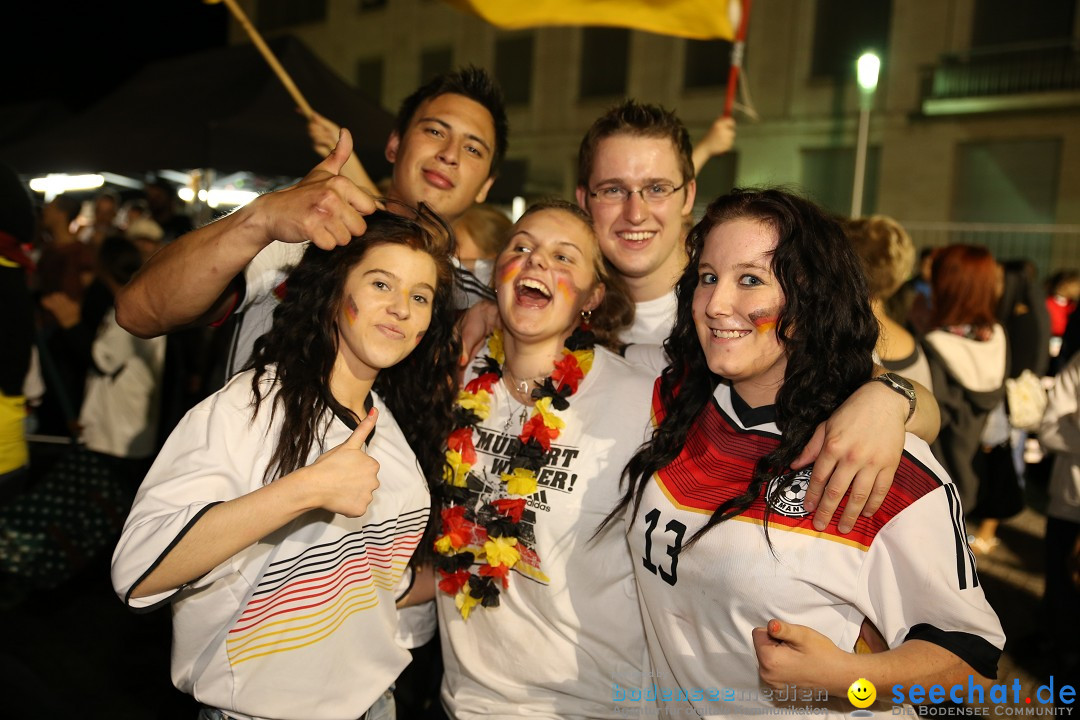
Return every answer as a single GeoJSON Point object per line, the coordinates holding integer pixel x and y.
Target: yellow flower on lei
{"type": "Point", "coordinates": [457, 471]}
{"type": "Point", "coordinates": [550, 419]}
{"type": "Point", "coordinates": [495, 347]}
{"type": "Point", "coordinates": [479, 402]}
{"type": "Point", "coordinates": [501, 551]}
{"type": "Point", "coordinates": [585, 360]}
{"type": "Point", "coordinates": [520, 482]}
{"type": "Point", "coordinates": [465, 602]}
{"type": "Point", "coordinates": [444, 546]}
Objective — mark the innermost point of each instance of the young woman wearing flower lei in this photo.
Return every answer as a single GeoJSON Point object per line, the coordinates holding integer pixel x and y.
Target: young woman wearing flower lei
{"type": "Point", "coordinates": [536, 613]}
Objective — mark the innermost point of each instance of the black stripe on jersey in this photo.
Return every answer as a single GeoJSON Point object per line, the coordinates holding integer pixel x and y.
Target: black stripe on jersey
{"type": "Point", "coordinates": [737, 424]}
{"type": "Point", "coordinates": [153, 566]}
{"type": "Point", "coordinates": [972, 649]}
{"type": "Point", "coordinates": [319, 558]}
{"type": "Point", "coordinates": [965, 561]}
{"type": "Point", "coordinates": [312, 565]}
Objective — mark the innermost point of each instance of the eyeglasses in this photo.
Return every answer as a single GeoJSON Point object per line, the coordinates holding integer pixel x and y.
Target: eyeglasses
{"type": "Point", "coordinates": [617, 194]}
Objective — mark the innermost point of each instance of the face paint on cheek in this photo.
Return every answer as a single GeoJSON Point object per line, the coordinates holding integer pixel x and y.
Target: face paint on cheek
{"type": "Point", "coordinates": [351, 311]}
{"type": "Point", "coordinates": [764, 320]}
{"type": "Point", "coordinates": [564, 288]}
{"type": "Point", "coordinates": [510, 270]}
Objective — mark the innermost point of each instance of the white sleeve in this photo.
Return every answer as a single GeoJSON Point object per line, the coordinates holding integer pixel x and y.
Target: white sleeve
{"type": "Point", "coordinates": [919, 582]}
{"type": "Point", "coordinates": [212, 456]}
{"type": "Point", "coordinates": [268, 270]}
{"type": "Point", "coordinates": [1060, 427]}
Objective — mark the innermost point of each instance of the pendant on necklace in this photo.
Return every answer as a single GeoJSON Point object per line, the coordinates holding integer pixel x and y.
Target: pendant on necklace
{"type": "Point", "coordinates": [522, 417]}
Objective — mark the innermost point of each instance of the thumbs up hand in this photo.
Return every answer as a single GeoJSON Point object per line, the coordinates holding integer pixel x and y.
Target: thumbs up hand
{"type": "Point", "coordinates": [325, 207]}
{"type": "Point", "coordinates": [345, 478]}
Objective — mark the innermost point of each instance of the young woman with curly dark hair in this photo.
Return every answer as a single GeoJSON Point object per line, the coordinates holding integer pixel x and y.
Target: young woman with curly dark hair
{"type": "Point", "coordinates": [774, 331]}
{"type": "Point", "coordinates": [279, 518]}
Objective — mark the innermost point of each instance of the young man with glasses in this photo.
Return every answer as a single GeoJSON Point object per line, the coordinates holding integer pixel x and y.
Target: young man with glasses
{"type": "Point", "coordinates": [636, 179]}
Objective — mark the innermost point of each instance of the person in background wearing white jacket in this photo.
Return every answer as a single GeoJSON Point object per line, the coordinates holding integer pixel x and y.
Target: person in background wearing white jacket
{"type": "Point", "coordinates": [1060, 433]}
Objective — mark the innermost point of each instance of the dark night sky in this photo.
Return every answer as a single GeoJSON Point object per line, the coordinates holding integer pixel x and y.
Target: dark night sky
{"type": "Point", "coordinates": [76, 51]}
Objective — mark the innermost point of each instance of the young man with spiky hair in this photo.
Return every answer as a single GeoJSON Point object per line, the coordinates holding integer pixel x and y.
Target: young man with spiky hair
{"type": "Point", "coordinates": [449, 138]}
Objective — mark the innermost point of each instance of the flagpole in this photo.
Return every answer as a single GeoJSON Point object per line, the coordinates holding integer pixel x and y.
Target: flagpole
{"type": "Point", "coordinates": [269, 56]}
{"type": "Point", "coordinates": [737, 50]}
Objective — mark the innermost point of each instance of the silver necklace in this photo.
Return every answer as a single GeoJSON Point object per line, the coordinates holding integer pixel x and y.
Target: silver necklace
{"type": "Point", "coordinates": [521, 386]}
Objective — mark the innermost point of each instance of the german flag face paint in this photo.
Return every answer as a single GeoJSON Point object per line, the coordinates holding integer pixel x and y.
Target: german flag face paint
{"type": "Point", "coordinates": [351, 311]}
{"type": "Point", "coordinates": [764, 320]}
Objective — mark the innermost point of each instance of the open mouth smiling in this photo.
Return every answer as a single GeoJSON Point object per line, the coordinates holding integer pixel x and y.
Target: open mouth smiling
{"type": "Point", "coordinates": [636, 236]}
{"type": "Point", "coordinates": [532, 293]}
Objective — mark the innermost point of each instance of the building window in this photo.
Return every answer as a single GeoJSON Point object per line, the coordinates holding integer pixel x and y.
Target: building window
{"type": "Point", "coordinates": [707, 64]}
{"type": "Point", "coordinates": [998, 22]}
{"type": "Point", "coordinates": [513, 67]}
{"type": "Point", "coordinates": [1007, 181]}
{"type": "Point", "coordinates": [277, 14]}
{"type": "Point", "coordinates": [828, 175]}
{"type": "Point", "coordinates": [605, 56]}
{"type": "Point", "coordinates": [844, 30]}
{"type": "Point", "coordinates": [369, 5]}
{"type": "Point", "coordinates": [716, 178]}
{"type": "Point", "coordinates": [369, 78]}
{"type": "Point", "coordinates": [510, 182]}
{"type": "Point", "coordinates": [435, 61]}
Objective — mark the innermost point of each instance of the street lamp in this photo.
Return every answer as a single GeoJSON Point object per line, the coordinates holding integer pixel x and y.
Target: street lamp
{"type": "Point", "coordinates": [867, 68]}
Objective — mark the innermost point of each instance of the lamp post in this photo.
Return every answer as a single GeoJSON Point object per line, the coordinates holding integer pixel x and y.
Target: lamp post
{"type": "Point", "coordinates": [867, 68]}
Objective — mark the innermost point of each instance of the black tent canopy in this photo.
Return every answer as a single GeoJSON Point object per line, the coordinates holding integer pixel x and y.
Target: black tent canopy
{"type": "Point", "coordinates": [221, 109]}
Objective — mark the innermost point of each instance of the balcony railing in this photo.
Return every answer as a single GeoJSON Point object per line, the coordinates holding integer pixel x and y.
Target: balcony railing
{"type": "Point", "coordinates": [1050, 247]}
{"type": "Point", "coordinates": [1013, 78]}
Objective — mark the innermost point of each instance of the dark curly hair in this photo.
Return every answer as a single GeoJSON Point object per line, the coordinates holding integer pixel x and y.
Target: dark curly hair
{"type": "Point", "coordinates": [303, 345]}
{"type": "Point", "coordinates": [826, 328]}
{"type": "Point", "coordinates": [615, 312]}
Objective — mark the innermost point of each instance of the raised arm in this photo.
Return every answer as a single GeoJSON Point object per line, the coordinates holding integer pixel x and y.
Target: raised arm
{"type": "Point", "coordinates": [717, 141]}
{"type": "Point", "coordinates": [341, 481]}
{"type": "Point", "coordinates": [187, 281]}
{"type": "Point", "coordinates": [860, 447]}
{"type": "Point", "coordinates": [324, 134]}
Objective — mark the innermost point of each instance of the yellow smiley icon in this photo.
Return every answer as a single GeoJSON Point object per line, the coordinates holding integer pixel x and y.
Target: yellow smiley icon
{"type": "Point", "coordinates": [862, 693]}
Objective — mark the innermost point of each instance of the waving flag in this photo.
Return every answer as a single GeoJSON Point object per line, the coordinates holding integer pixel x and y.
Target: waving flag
{"type": "Point", "coordinates": [697, 19]}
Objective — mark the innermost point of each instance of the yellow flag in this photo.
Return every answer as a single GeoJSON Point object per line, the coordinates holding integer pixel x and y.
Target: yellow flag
{"type": "Point", "coordinates": [697, 19]}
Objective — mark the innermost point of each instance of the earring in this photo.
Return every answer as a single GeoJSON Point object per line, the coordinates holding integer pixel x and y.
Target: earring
{"type": "Point", "coordinates": [586, 316]}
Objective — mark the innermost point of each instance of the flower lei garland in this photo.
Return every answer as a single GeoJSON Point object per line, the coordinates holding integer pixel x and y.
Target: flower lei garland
{"type": "Point", "coordinates": [489, 535]}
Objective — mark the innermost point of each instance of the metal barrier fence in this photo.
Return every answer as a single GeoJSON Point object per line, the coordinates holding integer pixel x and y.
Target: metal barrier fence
{"type": "Point", "coordinates": [1050, 247]}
